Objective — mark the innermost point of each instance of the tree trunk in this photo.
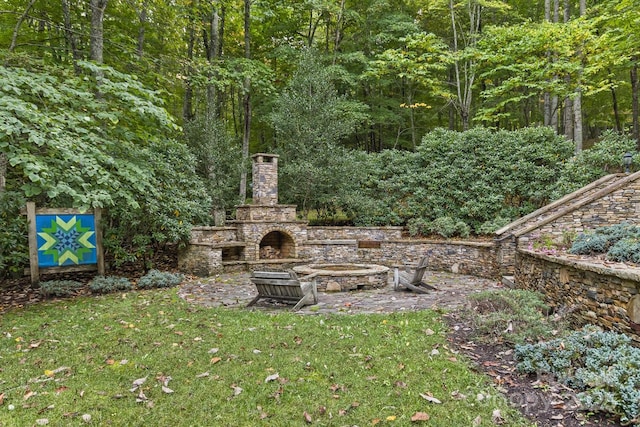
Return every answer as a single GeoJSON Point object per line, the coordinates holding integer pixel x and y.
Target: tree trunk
{"type": "Point", "coordinates": [464, 78]}
{"type": "Point", "coordinates": [246, 104]}
{"type": "Point", "coordinates": [616, 110]}
{"type": "Point", "coordinates": [16, 29]}
{"type": "Point", "coordinates": [568, 102]}
{"type": "Point", "coordinates": [96, 46]}
{"type": "Point", "coordinates": [3, 172]}
{"type": "Point", "coordinates": [577, 103]}
{"type": "Point", "coordinates": [212, 55]}
{"type": "Point", "coordinates": [577, 120]}
{"type": "Point", "coordinates": [187, 104]}
{"type": "Point", "coordinates": [142, 16]}
{"type": "Point", "coordinates": [634, 102]}
{"type": "Point", "coordinates": [338, 35]}
{"type": "Point", "coordinates": [70, 36]}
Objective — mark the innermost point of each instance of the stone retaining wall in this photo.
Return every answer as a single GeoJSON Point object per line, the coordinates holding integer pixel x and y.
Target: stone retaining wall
{"type": "Point", "coordinates": [382, 245]}
{"type": "Point", "coordinates": [597, 294]}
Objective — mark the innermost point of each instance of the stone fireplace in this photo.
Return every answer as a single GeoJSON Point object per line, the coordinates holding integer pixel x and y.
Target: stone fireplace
{"type": "Point", "coordinates": [264, 232]}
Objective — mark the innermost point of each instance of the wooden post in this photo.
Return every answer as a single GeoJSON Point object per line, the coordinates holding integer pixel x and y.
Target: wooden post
{"type": "Point", "coordinates": [33, 243]}
{"type": "Point", "coordinates": [97, 217]}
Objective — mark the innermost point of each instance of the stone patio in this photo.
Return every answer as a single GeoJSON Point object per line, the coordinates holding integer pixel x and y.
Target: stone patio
{"type": "Point", "coordinates": [234, 290]}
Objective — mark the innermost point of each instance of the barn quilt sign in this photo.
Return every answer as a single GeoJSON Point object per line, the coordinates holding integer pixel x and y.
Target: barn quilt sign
{"type": "Point", "coordinates": [64, 240]}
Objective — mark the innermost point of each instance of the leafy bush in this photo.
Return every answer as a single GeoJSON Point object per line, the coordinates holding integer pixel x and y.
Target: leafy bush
{"type": "Point", "coordinates": [106, 284]}
{"type": "Point", "coordinates": [67, 148]}
{"type": "Point", "coordinates": [475, 176]}
{"type": "Point", "coordinates": [603, 158]}
{"type": "Point", "coordinates": [604, 366]}
{"type": "Point", "coordinates": [447, 227]}
{"type": "Point", "coordinates": [159, 279]}
{"type": "Point", "coordinates": [14, 248]}
{"type": "Point", "coordinates": [492, 225]}
{"type": "Point", "coordinates": [511, 315]}
{"type": "Point", "coordinates": [60, 288]}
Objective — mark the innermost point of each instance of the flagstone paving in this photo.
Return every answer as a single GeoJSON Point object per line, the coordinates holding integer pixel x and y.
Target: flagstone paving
{"type": "Point", "coordinates": [235, 290]}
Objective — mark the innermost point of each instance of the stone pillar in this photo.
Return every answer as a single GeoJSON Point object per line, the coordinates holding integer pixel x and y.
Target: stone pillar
{"type": "Point", "coordinates": [265, 179]}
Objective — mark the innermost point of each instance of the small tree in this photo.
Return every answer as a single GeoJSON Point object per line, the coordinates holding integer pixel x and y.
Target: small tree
{"type": "Point", "coordinates": [218, 159]}
{"type": "Point", "coordinates": [310, 118]}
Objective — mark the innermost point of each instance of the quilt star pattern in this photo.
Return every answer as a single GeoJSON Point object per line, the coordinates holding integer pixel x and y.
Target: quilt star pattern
{"type": "Point", "coordinates": [66, 240]}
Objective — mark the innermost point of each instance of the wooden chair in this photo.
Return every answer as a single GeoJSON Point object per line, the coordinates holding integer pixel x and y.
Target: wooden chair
{"type": "Point", "coordinates": [412, 280]}
{"type": "Point", "coordinates": [284, 286]}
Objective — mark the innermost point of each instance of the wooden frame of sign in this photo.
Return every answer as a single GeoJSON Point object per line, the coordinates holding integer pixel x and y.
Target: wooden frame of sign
{"type": "Point", "coordinates": [70, 242]}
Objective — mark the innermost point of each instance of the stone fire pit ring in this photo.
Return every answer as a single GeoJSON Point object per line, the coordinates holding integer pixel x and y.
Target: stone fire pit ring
{"type": "Point", "coordinates": [346, 277]}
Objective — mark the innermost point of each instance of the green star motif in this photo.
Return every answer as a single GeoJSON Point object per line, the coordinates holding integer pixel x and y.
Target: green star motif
{"type": "Point", "coordinates": [66, 240]}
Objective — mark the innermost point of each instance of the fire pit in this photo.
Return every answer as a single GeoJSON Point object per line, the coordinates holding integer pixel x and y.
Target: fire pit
{"type": "Point", "coordinates": [346, 277]}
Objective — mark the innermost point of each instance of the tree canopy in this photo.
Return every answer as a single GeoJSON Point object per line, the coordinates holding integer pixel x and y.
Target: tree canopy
{"type": "Point", "coordinates": [150, 108]}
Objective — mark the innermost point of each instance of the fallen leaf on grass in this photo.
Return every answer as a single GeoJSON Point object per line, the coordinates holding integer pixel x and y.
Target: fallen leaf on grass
{"type": "Point", "coordinates": [141, 397]}
{"type": "Point", "coordinates": [420, 416]}
{"type": "Point", "coordinates": [477, 421]}
{"type": "Point", "coordinates": [496, 417]}
{"type": "Point", "coordinates": [166, 389]}
{"type": "Point", "coordinates": [236, 390]}
{"type": "Point", "coordinates": [137, 383]}
{"type": "Point", "coordinates": [428, 397]}
{"type": "Point", "coordinates": [307, 417]}
{"type": "Point", "coordinates": [272, 377]}
{"type": "Point", "coordinates": [215, 360]}
{"type": "Point", "coordinates": [1, 398]}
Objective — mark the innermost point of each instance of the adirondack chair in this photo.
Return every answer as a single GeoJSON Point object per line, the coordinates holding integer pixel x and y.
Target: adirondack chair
{"type": "Point", "coordinates": [284, 286]}
{"type": "Point", "coordinates": [412, 280]}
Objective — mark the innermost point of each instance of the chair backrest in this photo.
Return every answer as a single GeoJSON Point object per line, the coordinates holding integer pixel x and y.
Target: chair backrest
{"type": "Point", "coordinates": [420, 269]}
{"type": "Point", "coordinates": [282, 275]}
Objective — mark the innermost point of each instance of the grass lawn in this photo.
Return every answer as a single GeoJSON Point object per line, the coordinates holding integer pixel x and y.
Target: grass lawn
{"type": "Point", "coordinates": [149, 358]}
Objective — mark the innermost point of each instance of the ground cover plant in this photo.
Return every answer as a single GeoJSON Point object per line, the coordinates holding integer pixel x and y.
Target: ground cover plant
{"type": "Point", "coordinates": [603, 366]}
{"type": "Point", "coordinates": [148, 357]}
{"type": "Point", "coordinates": [620, 242]}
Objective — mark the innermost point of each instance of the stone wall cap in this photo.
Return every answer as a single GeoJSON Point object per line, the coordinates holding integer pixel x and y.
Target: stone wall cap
{"type": "Point", "coordinates": [482, 244]}
{"type": "Point", "coordinates": [211, 228]}
{"type": "Point", "coordinates": [332, 242]}
{"type": "Point", "coordinates": [618, 269]}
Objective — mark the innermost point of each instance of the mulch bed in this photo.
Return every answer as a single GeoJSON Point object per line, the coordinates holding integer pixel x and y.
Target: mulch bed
{"type": "Point", "coordinates": [543, 400]}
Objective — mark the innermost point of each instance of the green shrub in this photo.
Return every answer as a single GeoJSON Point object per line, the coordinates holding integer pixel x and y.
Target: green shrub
{"type": "Point", "coordinates": [106, 284]}
{"type": "Point", "coordinates": [60, 288]}
{"type": "Point", "coordinates": [603, 158]}
{"type": "Point", "coordinates": [603, 366]}
{"type": "Point", "coordinates": [447, 227]}
{"type": "Point", "coordinates": [627, 249]}
{"type": "Point", "coordinates": [159, 279]}
{"type": "Point", "coordinates": [511, 315]}
{"type": "Point", "coordinates": [492, 225]}
{"type": "Point", "coordinates": [418, 227]}
{"type": "Point", "coordinates": [14, 250]}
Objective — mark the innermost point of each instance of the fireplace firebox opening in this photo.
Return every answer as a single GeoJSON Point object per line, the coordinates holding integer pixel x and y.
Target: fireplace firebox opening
{"type": "Point", "coordinates": [277, 245]}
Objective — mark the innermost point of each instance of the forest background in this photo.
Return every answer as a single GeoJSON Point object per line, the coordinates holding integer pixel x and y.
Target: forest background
{"type": "Point", "coordinates": [447, 116]}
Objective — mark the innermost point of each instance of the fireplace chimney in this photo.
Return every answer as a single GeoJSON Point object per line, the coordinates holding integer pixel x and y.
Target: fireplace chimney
{"type": "Point", "coordinates": [265, 179]}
